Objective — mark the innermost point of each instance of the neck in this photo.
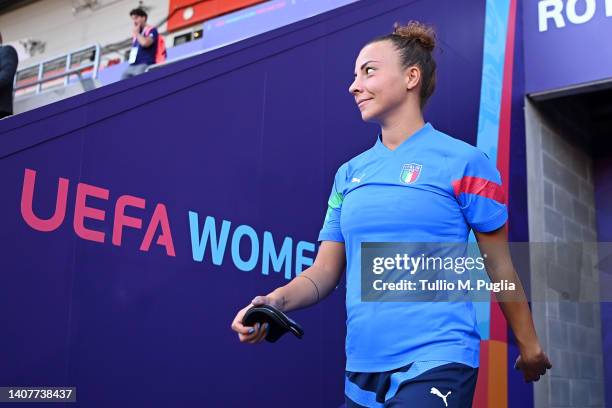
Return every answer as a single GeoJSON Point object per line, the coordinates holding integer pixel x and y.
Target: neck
{"type": "Point", "coordinates": [394, 133]}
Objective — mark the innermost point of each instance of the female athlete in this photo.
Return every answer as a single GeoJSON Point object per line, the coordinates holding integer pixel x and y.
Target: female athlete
{"type": "Point", "coordinates": [416, 184]}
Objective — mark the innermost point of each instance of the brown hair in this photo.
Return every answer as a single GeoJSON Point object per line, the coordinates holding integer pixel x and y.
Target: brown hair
{"type": "Point", "coordinates": [415, 42]}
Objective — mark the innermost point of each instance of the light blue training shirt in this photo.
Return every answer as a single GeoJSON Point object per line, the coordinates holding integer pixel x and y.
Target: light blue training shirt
{"type": "Point", "coordinates": [431, 188]}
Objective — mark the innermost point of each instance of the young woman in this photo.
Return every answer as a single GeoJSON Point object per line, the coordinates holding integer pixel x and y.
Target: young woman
{"type": "Point", "coordinates": [415, 184]}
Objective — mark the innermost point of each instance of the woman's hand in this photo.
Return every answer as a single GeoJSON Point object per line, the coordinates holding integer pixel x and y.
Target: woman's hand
{"type": "Point", "coordinates": [257, 333]}
{"type": "Point", "coordinates": [533, 363]}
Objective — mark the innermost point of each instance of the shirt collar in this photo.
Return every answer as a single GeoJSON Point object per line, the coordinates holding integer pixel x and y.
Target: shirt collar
{"type": "Point", "coordinates": [385, 151]}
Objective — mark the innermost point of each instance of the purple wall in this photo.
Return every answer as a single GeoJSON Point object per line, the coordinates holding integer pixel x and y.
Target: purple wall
{"type": "Point", "coordinates": [252, 134]}
{"type": "Point", "coordinates": [566, 43]}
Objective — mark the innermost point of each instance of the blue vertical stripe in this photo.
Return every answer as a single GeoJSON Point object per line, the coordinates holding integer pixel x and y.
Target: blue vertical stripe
{"type": "Point", "coordinates": [494, 54]}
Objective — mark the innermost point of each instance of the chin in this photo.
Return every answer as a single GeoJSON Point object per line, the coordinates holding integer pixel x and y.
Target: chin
{"type": "Point", "coordinates": [368, 118]}
{"type": "Point", "coordinates": [366, 115]}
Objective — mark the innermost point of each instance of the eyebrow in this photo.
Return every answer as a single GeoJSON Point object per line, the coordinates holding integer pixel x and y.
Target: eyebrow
{"type": "Point", "coordinates": [364, 64]}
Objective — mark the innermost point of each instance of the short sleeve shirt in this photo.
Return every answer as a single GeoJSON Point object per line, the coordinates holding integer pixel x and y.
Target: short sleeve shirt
{"type": "Point", "coordinates": [145, 55]}
{"type": "Point", "coordinates": [431, 188]}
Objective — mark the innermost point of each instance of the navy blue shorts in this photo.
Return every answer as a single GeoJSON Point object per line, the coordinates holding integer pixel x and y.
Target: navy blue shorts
{"type": "Point", "coordinates": [449, 385]}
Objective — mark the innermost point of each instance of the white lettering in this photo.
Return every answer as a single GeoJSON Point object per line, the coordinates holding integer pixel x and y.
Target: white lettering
{"type": "Point", "coordinates": [377, 284]}
{"type": "Point", "coordinates": [465, 285]}
{"type": "Point", "coordinates": [545, 12]}
{"type": "Point", "coordinates": [576, 12]}
{"type": "Point", "coordinates": [416, 262]}
{"type": "Point", "coordinates": [573, 17]}
{"type": "Point", "coordinates": [377, 268]}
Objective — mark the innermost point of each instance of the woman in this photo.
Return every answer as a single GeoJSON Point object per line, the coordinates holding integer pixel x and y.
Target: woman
{"type": "Point", "coordinates": [415, 184]}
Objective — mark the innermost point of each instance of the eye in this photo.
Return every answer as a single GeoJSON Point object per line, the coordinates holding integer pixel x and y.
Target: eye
{"type": "Point", "coordinates": [367, 69]}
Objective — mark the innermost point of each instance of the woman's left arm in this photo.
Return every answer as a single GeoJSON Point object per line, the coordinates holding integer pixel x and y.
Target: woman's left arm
{"type": "Point", "coordinates": [532, 361]}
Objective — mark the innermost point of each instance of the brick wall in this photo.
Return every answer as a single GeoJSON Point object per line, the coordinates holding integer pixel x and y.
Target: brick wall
{"type": "Point", "coordinates": [562, 209]}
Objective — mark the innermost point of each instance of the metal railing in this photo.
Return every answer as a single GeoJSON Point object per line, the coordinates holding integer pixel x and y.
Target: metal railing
{"type": "Point", "coordinates": [63, 63]}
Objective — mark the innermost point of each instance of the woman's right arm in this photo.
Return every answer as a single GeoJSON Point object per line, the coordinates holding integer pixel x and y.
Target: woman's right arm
{"type": "Point", "coordinates": [311, 286]}
{"type": "Point", "coordinates": [325, 273]}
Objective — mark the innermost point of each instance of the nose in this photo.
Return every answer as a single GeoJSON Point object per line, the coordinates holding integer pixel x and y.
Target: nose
{"type": "Point", "coordinates": [355, 87]}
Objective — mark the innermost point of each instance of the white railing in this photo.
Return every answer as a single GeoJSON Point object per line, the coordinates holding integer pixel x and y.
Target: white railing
{"type": "Point", "coordinates": [66, 61]}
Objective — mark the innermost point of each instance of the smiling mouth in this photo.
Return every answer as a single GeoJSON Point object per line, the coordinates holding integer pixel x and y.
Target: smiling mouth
{"type": "Point", "coordinates": [362, 102]}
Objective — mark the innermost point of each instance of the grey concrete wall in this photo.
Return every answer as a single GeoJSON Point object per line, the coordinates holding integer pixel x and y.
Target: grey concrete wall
{"type": "Point", "coordinates": [562, 209]}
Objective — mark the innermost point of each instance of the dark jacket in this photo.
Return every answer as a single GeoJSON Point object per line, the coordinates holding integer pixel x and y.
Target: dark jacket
{"type": "Point", "coordinates": [8, 67]}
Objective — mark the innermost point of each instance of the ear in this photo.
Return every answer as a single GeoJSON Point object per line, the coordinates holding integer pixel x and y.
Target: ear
{"type": "Point", "coordinates": [412, 77]}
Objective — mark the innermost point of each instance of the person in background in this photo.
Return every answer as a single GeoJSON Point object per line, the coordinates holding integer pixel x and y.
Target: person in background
{"type": "Point", "coordinates": [144, 44]}
{"type": "Point", "coordinates": [8, 67]}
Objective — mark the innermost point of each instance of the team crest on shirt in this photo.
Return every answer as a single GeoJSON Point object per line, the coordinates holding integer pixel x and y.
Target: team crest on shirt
{"type": "Point", "coordinates": [410, 173]}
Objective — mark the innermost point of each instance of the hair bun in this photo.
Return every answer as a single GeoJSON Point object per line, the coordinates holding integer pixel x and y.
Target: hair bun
{"type": "Point", "coordinates": [417, 31]}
